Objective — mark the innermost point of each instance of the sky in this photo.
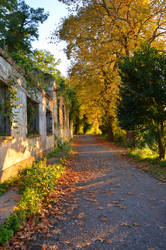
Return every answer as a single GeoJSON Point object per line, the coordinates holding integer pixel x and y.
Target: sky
{"type": "Point", "coordinates": [56, 11]}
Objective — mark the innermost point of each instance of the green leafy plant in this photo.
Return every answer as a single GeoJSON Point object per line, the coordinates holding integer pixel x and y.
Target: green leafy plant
{"type": "Point", "coordinates": [41, 177]}
{"type": "Point", "coordinates": [142, 102]}
{"type": "Point", "coordinates": [35, 183]}
{"type": "Point", "coordinates": [11, 225]}
{"type": "Point", "coordinates": [149, 162]}
{"type": "Point", "coordinates": [30, 202]}
{"type": "Point", "coordinates": [7, 184]}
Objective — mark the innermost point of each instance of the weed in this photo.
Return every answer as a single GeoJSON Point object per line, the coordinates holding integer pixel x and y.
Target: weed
{"type": "Point", "coordinates": [7, 184]}
{"type": "Point", "coordinates": [30, 202]}
{"type": "Point", "coordinates": [153, 164]}
{"type": "Point", "coordinates": [40, 177]}
{"type": "Point", "coordinates": [35, 183]}
{"type": "Point", "coordinates": [143, 154]}
{"type": "Point", "coordinates": [13, 222]}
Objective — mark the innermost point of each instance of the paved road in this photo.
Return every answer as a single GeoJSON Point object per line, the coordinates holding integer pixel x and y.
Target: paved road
{"type": "Point", "coordinates": [115, 206]}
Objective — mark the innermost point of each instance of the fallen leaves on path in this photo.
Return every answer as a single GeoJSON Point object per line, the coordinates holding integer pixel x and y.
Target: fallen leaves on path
{"type": "Point", "coordinates": [79, 223]}
{"type": "Point", "coordinates": [100, 208]}
{"type": "Point", "coordinates": [136, 224]}
{"type": "Point", "coordinates": [130, 193]}
{"type": "Point", "coordinates": [104, 219]}
{"type": "Point", "coordinates": [81, 215]}
{"type": "Point", "coordinates": [108, 241]}
{"type": "Point", "coordinates": [59, 198]}
{"type": "Point", "coordinates": [46, 247]}
{"type": "Point", "coordinates": [124, 224]}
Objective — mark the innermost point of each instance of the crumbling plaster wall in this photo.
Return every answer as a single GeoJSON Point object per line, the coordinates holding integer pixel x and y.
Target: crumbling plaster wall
{"type": "Point", "coordinates": [18, 150]}
{"type": "Point", "coordinates": [63, 131]}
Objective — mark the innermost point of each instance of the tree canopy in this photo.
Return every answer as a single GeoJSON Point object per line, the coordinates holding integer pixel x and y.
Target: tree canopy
{"type": "Point", "coordinates": [19, 25]}
{"type": "Point", "coordinates": [98, 33]}
{"type": "Point", "coordinates": [142, 101]}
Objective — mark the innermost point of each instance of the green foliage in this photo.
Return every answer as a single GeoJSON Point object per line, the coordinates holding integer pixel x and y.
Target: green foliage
{"type": "Point", "coordinates": [40, 177]}
{"type": "Point", "coordinates": [30, 201]}
{"type": "Point", "coordinates": [143, 154]}
{"type": "Point", "coordinates": [36, 77]}
{"type": "Point", "coordinates": [45, 61]}
{"type": "Point", "coordinates": [62, 148]}
{"type": "Point", "coordinates": [142, 88]}
{"type": "Point", "coordinates": [7, 184]}
{"type": "Point", "coordinates": [149, 162]}
{"type": "Point", "coordinates": [19, 25]}
{"type": "Point", "coordinates": [97, 33]}
{"type": "Point", "coordinates": [35, 183]}
{"type": "Point", "coordinates": [142, 102]}
{"type": "Point", "coordinates": [70, 98]}
{"type": "Point", "coordinates": [146, 137]}
{"type": "Point", "coordinates": [13, 223]}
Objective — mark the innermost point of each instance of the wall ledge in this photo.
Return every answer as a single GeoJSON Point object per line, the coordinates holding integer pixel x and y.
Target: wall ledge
{"type": "Point", "coordinates": [5, 138]}
{"type": "Point", "coordinates": [33, 136]}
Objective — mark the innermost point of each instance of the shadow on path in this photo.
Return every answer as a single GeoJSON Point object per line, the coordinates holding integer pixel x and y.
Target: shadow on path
{"type": "Point", "coordinates": [113, 206]}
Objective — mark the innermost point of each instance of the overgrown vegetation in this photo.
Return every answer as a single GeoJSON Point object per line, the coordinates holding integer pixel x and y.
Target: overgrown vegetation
{"type": "Point", "coordinates": [63, 148]}
{"type": "Point", "coordinates": [142, 99]}
{"type": "Point", "coordinates": [19, 25]}
{"type": "Point", "coordinates": [149, 162]}
{"type": "Point", "coordinates": [98, 33]}
{"type": "Point", "coordinates": [11, 225]}
{"type": "Point", "coordinates": [34, 183]}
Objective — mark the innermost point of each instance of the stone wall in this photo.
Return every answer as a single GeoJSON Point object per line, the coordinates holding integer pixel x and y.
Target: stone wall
{"type": "Point", "coordinates": [20, 148]}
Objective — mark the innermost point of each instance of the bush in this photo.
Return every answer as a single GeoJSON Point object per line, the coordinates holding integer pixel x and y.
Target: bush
{"type": "Point", "coordinates": [143, 154]}
{"type": "Point", "coordinates": [30, 202]}
{"type": "Point", "coordinates": [7, 184]}
{"type": "Point", "coordinates": [40, 177]}
{"type": "Point", "coordinates": [11, 225]}
{"type": "Point", "coordinates": [35, 183]}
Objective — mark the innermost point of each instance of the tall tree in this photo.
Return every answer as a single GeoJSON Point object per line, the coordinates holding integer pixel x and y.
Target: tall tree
{"type": "Point", "coordinates": [99, 33]}
{"type": "Point", "coordinates": [45, 61]}
{"type": "Point", "coordinates": [142, 103]}
{"type": "Point", "coordinates": [19, 25]}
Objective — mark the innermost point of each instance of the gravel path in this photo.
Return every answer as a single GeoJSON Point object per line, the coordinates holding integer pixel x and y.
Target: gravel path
{"type": "Point", "coordinates": [115, 206]}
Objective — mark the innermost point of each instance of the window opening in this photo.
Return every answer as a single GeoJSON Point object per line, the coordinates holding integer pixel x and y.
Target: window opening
{"type": "Point", "coordinates": [58, 116]}
{"type": "Point", "coordinates": [4, 117]}
{"type": "Point", "coordinates": [32, 117]}
{"type": "Point", "coordinates": [63, 114]}
{"type": "Point", "coordinates": [49, 122]}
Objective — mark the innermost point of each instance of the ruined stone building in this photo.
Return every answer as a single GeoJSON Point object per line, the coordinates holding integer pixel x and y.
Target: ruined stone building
{"type": "Point", "coordinates": [40, 120]}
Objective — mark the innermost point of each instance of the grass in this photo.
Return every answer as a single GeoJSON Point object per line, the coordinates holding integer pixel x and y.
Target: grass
{"type": "Point", "coordinates": [143, 154]}
{"type": "Point", "coordinates": [149, 162]}
{"type": "Point", "coordinates": [7, 184]}
{"type": "Point", "coordinates": [34, 183]}
{"type": "Point", "coordinates": [65, 149]}
{"type": "Point", "coordinates": [147, 159]}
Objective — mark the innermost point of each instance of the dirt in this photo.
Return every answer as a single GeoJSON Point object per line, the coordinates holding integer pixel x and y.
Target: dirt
{"type": "Point", "coordinates": [8, 202]}
{"type": "Point", "coordinates": [109, 204]}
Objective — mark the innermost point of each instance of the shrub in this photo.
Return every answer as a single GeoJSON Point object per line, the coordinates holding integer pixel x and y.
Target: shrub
{"type": "Point", "coordinates": [30, 202]}
{"type": "Point", "coordinates": [35, 183]}
{"type": "Point", "coordinates": [41, 178]}
{"type": "Point", "coordinates": [13, 222]}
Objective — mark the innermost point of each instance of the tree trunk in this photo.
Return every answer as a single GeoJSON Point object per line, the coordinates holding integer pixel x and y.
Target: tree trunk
{"type": "Point", "coordinates": [130, 137]}
{"type": "Point", "coordinates": [161, 141]}
{"type": "Point", "coordinates": [110, 133]}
